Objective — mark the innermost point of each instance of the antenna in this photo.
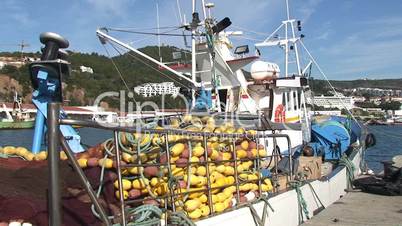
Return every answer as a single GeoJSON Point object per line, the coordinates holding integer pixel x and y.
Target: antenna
{"type": "Point", "coordinates": [157, 25]}
{"type": "Point", "coordinates": [288, 43]}
{"type": "Point", "coordinates": [179, 11]}
{"type": "Point", "coordinates": [182, 22]}
{"type": "Point", "coordinates": [209, 5]}
{"type": "Point", "coordinates": [287, 9]}
{"type": "Point", "coordinates": [22, 46]}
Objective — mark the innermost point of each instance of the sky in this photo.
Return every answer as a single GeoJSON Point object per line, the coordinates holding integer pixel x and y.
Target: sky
{"type": "Point", "coordinates": [350, 39]}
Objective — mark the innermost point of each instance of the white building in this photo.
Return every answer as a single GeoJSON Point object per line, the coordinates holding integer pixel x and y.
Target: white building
{"type": "Point", "coordinates": [153, 89]}
{"type": "Point", "coordinates": [339, 102]}
{"type": "Point", "coordinates": [377, 91]}
{"type": "Point", "coordinates": [86, 69]}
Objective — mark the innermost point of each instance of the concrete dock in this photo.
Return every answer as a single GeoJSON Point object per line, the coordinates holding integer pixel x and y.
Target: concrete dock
{"type": "Point", "coordinates": [358, 209]}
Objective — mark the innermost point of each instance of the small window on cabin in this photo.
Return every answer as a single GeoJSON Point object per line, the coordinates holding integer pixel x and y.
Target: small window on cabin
{"type": "Point", "coordinates": [284, 98]}
{"type": "Point", "coordinates": [299, 99]}
{"type": "Point", "coordinates": [295, 100]}
{"type": "Point", "coordinates": [288, 103]}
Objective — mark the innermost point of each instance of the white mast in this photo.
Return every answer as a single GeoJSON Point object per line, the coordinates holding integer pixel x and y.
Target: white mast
{"type": "Point", "coordinates": [285, 43]}
{"type": "Point", "coordinates": [159, 37]}
{"type": "Point", "coordinates": [193, 58]}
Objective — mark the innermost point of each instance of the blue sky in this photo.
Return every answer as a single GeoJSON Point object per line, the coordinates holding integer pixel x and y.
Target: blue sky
{"type": "Point", "coordinates": [349, 38]}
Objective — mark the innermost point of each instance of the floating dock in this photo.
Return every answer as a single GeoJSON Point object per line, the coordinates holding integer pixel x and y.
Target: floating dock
{"type": "Point", "coordinates": [358, 209]}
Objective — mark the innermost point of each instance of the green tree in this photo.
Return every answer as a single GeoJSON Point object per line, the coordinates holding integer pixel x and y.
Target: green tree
{"type": "Point", "coordinates": [390, 105]}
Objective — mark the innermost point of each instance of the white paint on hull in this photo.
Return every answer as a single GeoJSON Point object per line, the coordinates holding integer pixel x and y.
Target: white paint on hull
{"type": "Point", "coordinates": [285, 205]}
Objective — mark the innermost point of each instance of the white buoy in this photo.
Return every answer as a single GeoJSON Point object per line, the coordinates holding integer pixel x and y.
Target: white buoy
{"type": "Point", "coordinates": [261, 70]}
{"type": "Point", "coordinates": [14, 223]}
{"type": "Point", "coordinates": [397, 161]}
{"type": "Point", "coordinates": [250, 196]}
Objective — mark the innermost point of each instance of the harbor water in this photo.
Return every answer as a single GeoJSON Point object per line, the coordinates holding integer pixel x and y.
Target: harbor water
{"type": "Point", "coordinates": [389, 141]}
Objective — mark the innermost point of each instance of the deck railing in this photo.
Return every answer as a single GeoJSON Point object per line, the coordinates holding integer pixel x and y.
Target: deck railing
{"type": "Point", "coordinates": [56, 139]}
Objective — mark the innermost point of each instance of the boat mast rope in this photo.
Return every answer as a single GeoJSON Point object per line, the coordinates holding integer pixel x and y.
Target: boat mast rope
{"type": "Point", "coordinates": [151, 67]}
{"type": "Point", "coordinates": [116, 48]}
{"type": "Point", "coordinates": [329, 83]}
{"type": "Point", "coordinates": [166, 33]}
{"type": "Point", "coordinates": [117, 69]}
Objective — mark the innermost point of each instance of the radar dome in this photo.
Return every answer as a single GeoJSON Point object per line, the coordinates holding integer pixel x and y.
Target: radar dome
{"type": "Point", "coordinates": [261, 70]}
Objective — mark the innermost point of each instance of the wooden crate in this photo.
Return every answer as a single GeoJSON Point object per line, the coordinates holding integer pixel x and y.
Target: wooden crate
{"type": "Point", "coordinates": [309, 167]}
{"type": "Point", "coordinates": [281, 182]}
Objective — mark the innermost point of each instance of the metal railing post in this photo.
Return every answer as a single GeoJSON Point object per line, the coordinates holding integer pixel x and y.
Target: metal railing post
{"type": "Point", "coordinates": [119, 177]}
{"type": "Point", "coordinates": [84, 180]}
{"type": "Point", "coordinates": [53, 113]}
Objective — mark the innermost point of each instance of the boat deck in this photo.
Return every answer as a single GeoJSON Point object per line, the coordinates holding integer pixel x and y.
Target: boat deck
{"type": "Point", "coordinates": [358, 208]}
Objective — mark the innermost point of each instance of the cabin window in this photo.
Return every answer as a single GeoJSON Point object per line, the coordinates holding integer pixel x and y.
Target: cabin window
{"type": "Point", "coordinates": [295, 100]}
{"type": "Point", "coordinates": [284, 98]}
{"type": "Point", "coordinates": [299, 99]}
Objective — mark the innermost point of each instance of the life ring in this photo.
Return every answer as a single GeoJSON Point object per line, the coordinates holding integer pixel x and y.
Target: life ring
{"type": "Point", "coordinates": [279, 113]}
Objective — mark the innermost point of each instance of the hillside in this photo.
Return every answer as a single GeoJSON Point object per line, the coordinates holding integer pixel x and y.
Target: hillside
{"type": "Point", "coordinates": [82, 88]}
{"type": "Point", "coordinates": [369, 83]}
{"type": "Point", "coordinates": [322, 87]}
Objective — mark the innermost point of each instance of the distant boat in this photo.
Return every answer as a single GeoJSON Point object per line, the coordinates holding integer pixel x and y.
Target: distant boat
{"type": "Point", "coordinates": [18, 118]}
{"type": "Point", "coordinates": [372, 122]}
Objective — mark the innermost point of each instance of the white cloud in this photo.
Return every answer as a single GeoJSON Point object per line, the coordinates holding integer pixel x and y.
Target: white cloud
{"type": "Point", "coordinates": [306, 9]}
{"type": "Point", "coordinates": [324, 35]}
{"type": "Point", "coordinates": [357, 56]}
{"type": "Point", "coordinates": [110, 7]}
{"type": "Point", "coordinates": [14, 11]}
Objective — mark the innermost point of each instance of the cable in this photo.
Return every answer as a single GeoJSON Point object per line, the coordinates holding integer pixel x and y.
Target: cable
{"type": "Point", "coordinates": [150, 66]}
{"type": "Point", "coordinates": [151, 33]}
{"type": "Point", "coordinates": [142, 61]}
{"type": "Point", "coordinates": [117, 69]}
{"type": "Point", "coordinates": [251, 31]}
{"type": "Point", "coordinates": [248, 38]}
{"type": "Point", "coordinates": [332, 87]}
{"type": "Point", "coordinates": [135, 28]}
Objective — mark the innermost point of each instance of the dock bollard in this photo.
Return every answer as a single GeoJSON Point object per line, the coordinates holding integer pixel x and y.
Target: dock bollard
{"type": "Point", "coordinates": [53, 112]}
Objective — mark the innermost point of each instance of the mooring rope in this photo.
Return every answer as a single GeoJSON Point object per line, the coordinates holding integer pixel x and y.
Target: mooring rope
{"type": "Point", "coordinates": [257, 220]}
{"type": "Point", "coordinates": [300, 199]}
{"type": "Point", "coordinates": [350, 169]}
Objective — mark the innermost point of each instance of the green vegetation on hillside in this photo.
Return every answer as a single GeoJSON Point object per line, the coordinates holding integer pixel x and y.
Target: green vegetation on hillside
{"type": "Point", "coordinates": [134, 70]}
{"type": "Point", "coordinates": [369, 83]}
{"type": "Point", "coordinates": [82, 88]}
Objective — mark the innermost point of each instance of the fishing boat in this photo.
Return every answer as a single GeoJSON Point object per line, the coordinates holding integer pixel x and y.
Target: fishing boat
{"type": "Point", "coordinates": [18, 118]}
{"type": "Point", "coordinates": [247, 152]}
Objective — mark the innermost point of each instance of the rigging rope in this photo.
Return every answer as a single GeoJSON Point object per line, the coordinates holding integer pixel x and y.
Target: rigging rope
{"type": "Point", "coordinates": [153, 68]}
{"type": "Point", "coordinates": [148, 65]}
{"type": "Point", "coordinates": [151, 33]}
{"type": "Point", "coordinates": [330, 84]}
{"type": "Point", "coordinates": [251, 31]}
{"type": "Point", "coordinates": [144, 28]}
{"type": "Point", "coordinates": [142, 61]}
{"type": "Point", "coordinates": [117, 69]}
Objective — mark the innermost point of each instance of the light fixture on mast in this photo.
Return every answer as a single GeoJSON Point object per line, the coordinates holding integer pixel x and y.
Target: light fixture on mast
{"type": "Point", "coordinates": [288, 43]}
{"type": "Point", "coordinates": [209, 5]}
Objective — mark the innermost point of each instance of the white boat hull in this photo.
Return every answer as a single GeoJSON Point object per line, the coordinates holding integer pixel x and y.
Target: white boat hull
{"type": "Point", "coordinates": [285, 205]}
